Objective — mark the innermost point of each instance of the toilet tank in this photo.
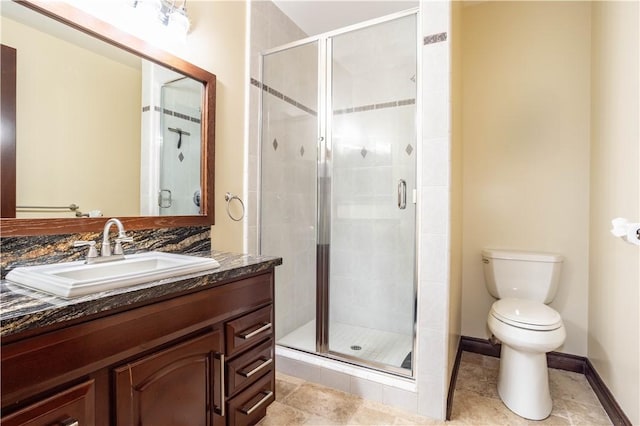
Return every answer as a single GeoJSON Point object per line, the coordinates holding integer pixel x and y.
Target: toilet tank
{"type": "Point", "coordinates": [521, 274]}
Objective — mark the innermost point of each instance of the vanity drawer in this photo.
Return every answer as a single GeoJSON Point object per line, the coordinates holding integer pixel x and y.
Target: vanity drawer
{"type": "Point", "coordinates": [248, 330]}
{"type": "Point", "coordinates": [75, 405]}
{"type": "Point", "coordinates": [250, 405]}
{"type": "Point", "coordinates": [248, 367]}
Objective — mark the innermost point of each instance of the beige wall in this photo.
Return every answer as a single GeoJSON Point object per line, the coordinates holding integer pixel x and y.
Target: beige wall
{"type": "Point", "coordinates": [526, 84]}
{"type": "Point", "coordinates": [80, 143]}
{"type": "Point", "coordinates": [614, 322]}
{"type": "Point", "coordinates": [217, 44]}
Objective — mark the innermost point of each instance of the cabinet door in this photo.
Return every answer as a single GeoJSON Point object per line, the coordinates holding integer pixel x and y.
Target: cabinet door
{"type": "Point", "coordinates": [73, 406]}
{"type": "Point", "coordinates": [180, 385]}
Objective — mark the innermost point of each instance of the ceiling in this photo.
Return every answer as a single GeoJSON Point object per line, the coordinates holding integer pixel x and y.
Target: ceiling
{"type": "Point", "coordinates": [319, 16]}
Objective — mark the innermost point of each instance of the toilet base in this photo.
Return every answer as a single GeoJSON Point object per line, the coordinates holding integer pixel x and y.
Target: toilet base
{"type": "Point", "coordinates": [523, 383]}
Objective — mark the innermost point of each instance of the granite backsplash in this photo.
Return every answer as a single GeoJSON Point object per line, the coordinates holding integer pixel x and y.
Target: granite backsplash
{"type": "Point", "coordinates": [43, 249]}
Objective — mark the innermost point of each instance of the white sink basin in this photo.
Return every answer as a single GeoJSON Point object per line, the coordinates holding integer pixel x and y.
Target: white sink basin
{"type": "Point", "coordinates": [73, 279]}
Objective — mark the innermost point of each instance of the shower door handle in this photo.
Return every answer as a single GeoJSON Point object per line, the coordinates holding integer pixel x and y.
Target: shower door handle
{"type": "Point", "coordinates": [164, 199]}
{"type": "Point", "coordinates": [402, 194]}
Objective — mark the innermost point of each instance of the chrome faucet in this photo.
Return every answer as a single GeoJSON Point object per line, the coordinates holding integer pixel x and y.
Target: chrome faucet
{"type": "Point", "coordinates": [105, 249]}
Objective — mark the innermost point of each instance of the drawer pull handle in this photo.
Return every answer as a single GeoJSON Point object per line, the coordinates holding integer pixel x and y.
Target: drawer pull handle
{"type": "Point", "coordinates": [267, 395]}
{"type": "Point", "coordinates": [255, 332]}
{"type": "Point", "coordinates": [69, 422]}
{"type": "Point", "coordinates": [266, 363]}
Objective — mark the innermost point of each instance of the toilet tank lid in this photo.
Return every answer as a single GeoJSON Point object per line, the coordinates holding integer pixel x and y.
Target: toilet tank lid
{"type": "Point", "coordinates": [521, 255]}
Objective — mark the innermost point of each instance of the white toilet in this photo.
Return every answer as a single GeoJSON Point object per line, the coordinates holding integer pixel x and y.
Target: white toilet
{"type": "Point", "coordinates": [528, 328]}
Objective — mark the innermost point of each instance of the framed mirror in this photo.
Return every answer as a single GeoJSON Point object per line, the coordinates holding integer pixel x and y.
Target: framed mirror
{"type": "Point", "coordinates": [141, 148]}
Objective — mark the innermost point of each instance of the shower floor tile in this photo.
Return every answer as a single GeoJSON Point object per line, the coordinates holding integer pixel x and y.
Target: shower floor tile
{"type": "Point", "coordinates": [383, 347]}
{"type": "Point", "coordinates": [303, 338]}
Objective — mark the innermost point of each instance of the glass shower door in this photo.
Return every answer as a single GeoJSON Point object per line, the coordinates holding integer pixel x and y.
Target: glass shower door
{"type": "Point", "coordinates": [289, 158]}
{"type": "Point", "coordinates": [372, 162]}
{"type": "Point", "coordinates": [337, 195]}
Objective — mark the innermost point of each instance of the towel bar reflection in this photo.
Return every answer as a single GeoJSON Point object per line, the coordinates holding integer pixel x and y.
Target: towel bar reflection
{"type": "Point", "coordinates": [71, 207]}
{"type": "Point", "coordinates": [229, 197]}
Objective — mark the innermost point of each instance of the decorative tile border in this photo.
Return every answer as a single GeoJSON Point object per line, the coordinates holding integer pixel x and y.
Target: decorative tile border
{"type": "Point", "coordinates": [370, 107]}
{"type": "Point", "coordinates": [435, 38]}
{"type": "Point", "coordinates": [283, 97]}
{"type": "Point", "coordinates": [167, 111]}
{"type": "Point", "coordinates": [361, 108]}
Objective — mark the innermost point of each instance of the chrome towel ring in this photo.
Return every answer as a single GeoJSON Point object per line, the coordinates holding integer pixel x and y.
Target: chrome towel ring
{"type": "Point", "coordinates": [229, 197]}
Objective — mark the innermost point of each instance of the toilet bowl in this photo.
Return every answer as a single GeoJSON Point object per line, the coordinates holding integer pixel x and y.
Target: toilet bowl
{"type": "Point", "coordinates": [523, 381]}
{"type": "Point", "coordinates": [524, 282]}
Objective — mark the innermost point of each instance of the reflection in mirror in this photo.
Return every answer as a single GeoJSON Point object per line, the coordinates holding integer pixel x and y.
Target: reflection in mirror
{"type": "Point", "coordinates": [106, 125]}
{"type": "Point", "coordinates": [179, 183]}
{"type": "Point", "coordinates": [91, 126]}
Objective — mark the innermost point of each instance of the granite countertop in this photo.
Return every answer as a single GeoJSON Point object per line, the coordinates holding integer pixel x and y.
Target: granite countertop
{"type": "Point", "coordinates": [22, 309]}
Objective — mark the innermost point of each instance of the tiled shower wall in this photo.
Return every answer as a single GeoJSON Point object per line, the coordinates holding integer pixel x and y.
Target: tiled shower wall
{"type": "Point", "coordinates": [373, 133]}
{"type": "Point", "coordinates": [269, 28]}
{"type": "Point", "coordinates": [289, 196]}
{"type": "Point", "coordinates": [289, 210]}
{"type": "Point", "coordinates": [437, 333]}
{"type": "Point", "coordinates": [372, 241]}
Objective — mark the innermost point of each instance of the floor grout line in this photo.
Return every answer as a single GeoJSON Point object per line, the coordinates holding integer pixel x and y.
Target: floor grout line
{"type": "Point", "coordinates": [469, 406]}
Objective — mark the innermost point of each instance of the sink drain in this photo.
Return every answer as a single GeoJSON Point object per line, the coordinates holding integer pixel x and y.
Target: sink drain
{"type": "Point", "coordinates": [356, 348]}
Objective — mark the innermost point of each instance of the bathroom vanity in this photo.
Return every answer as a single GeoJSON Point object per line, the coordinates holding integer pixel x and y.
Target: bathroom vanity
{"type": "Point", "coordinates": [196, 350]}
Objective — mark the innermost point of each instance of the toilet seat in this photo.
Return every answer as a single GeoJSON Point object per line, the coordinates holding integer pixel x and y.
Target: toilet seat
{"type": "Point", "coordinates": [526, 314]}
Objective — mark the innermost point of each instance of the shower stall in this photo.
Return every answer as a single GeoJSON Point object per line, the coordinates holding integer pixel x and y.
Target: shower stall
{"type": "Point", "coordinates": [338, 191]}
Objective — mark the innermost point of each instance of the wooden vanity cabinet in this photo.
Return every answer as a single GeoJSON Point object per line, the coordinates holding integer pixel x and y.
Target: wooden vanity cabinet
{"type": "Point", "coordinates": [204, 358]}
{"type": "Point", "coordinates": [175, 386]}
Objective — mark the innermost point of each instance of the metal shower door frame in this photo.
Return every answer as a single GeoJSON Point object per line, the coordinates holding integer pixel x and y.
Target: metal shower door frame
{"type": "Point", "coordinates": [323, 182]}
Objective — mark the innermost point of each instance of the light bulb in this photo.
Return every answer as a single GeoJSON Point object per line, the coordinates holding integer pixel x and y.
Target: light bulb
{"type": "Point", "coordinates": [179, 22]}
{"type": "Point", "coordinates": [152, 7]}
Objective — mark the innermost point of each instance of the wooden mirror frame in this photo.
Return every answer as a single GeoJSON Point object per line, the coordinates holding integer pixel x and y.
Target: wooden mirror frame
{"type": "Point", "coordinates": [95, 27]}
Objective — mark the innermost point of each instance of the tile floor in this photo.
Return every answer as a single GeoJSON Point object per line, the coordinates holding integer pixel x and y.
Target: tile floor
{"type": "Point", "coordinates": [475, 402]}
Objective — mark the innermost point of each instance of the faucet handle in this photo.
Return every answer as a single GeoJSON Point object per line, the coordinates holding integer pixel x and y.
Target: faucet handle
{"type": "Point", "coordinates": [121, 239]}
{"type": "Point", "coordinates": [93, 253]}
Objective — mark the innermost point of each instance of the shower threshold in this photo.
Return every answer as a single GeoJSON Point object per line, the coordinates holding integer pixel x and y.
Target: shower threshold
{"type": "Point", "coordinates": [354, 342]}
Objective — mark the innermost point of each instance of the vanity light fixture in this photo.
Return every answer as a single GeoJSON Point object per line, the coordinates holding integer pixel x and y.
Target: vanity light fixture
{"type": "Point", "coordinates": [166, 12]}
